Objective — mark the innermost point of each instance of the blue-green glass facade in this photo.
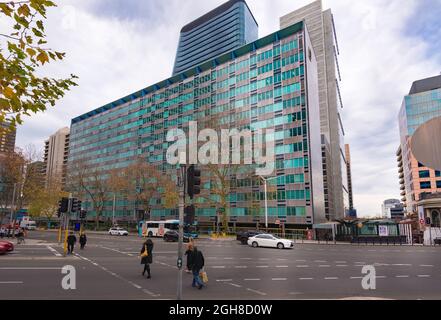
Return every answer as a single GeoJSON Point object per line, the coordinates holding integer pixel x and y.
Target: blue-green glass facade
{"type": "Point", "coordinates": [265, 84]}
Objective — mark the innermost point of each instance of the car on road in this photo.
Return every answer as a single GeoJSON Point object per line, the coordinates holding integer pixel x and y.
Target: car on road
{"type": "Point", "coordinates": [173, 236]}
{"type": "Point", "coordinates": [243, 236]}
{"type": "Point", "coordinates": [117, 231]}
{"type": "Point", "coordinates": [6, 246]}
{"type": "Point", "coordinates": [270, 241]}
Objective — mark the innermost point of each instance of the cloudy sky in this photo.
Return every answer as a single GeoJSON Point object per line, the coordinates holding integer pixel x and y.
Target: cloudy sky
{"type": "Point", "coordinates": [119, 46]}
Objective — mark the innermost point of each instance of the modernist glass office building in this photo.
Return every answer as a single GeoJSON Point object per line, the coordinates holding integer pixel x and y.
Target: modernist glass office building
{"type": "Point", "coordinates": [269, 83]}
{"type": "Point", "coordinates": [423, 103]}
{"type": "Point", "coordinates": [226, 28]}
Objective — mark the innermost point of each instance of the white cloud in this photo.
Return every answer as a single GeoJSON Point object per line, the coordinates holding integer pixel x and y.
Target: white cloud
{"type": "Point", "coordinates": [378, 62]}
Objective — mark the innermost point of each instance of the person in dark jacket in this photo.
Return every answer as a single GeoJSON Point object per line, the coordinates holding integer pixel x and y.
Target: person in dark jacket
{"type": "Point", "coordinates": [198, 262]}
{"type": "Point", "coordinates": [71, 240]}
{"type": "Point", "coordinates": [146, 261]}
{"type": "Point", "coordinates": [188, 253]}
{"type": "Point", "coordinates": [83, 240]}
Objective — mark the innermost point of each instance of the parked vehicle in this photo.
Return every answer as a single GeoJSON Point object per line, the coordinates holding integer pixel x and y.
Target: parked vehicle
{"type": "Point", "coordinates": [6, 246]}
{"type": "Point", "coordinates": [270, 241]}
{"type": "Point", "coordinates": [117, 231]}
{"type": "Point", "coordinates": [243, 236]}
{"type": "Point", "coordinates": [173, 236]}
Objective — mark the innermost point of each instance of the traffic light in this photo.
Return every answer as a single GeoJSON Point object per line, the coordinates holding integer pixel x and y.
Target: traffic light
{"type": "Point", "coordinates": [83, 214]}
{"type": "Point", "coordinates": [190, 213]}
{"type": "Point", "coordinates": [63, 206]}
{"type": "Point", "coordinates": [193, 181]}
{"type": "Point", "coordinates": [76, 205]}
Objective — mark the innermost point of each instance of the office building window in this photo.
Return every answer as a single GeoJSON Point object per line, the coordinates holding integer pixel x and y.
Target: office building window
{"type": "Point", "coordinates": [425, 174]}
{"type": "Point", "coordinates": [425, 185]}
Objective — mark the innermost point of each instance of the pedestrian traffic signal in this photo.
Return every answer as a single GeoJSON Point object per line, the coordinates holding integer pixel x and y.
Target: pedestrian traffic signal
{"type": "Point", "coordinates": [193, 181]}
{"type": "Point", "coordinates": [63, 206]}
{"type": "Point", "coordinates": [83, 214]}
{"type": "Point", "coordinates": [190, 213]}
{"type": "Point", "coordinates": [76, 205]}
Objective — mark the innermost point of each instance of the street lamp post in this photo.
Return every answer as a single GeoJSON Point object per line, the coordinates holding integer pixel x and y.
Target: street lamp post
{"type": "Point", "coordinates": [265, 181]}
{"type": "Point", "coordinates": [113, 209]}
{"type": "Point", "coordinates": [181, 186]}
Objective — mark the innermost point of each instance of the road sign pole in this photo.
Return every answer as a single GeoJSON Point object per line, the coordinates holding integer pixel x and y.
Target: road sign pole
{"type": "Point", "coordinates": [181, 185]}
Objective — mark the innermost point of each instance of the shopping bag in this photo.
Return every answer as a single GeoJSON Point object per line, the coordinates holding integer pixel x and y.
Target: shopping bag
{"type": "Point", "coordinates": [145, 253]}
{"type": "Point", "coordinates": [203, 276]}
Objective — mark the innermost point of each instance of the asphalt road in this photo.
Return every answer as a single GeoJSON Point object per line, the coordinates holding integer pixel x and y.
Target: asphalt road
{"type": "Point", "coordinates": [109, 268]}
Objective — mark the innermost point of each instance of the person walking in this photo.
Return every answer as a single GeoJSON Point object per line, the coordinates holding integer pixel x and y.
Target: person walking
{"type": "Point", "coordinates": [197, 259]}
{"type": "Point", "coordinates": [71, 240]}
{"type": "Point", "coordinates": [189, 253]}
{"type": "Point", "coordinates": [147, 257]}
{"type": "Point", "coordinates": [20, 236]}
{"type": "Point", "coordinates": [83, 240]}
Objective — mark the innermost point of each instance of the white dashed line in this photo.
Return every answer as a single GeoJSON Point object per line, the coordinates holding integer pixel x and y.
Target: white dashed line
{"type": "Point", "coordinates": [218, 267]}
{"type": "Point", "coordinates": [11, 282]}
{"type": "Point", "coordinates": [423, 276]}
{"type": "Point", "coordinates": [341, 265]}
{"type": "Point", "coordinates": [224, 280]}
{"type": "Point", "coordinates": [302, 266]}
{"type": "Point", "coordinates": [251, 279]}
{"type": "Point", "coordinates": [324, 266]}
{"type": "Point", "coordinates": [240, 267]}
{"type": "Point", "coordinates": [279, 279]}
{"type": "Point", "coordinates": [354, 278]}
{"type": "Point", "coordinates": [282, 266]}
{"type": "Point", "coordinates": [234, 285]}
{"type": "Point", "coordinates": [426, 265]}
{"type": "Point", "coordinates": [255, 291]}
{"type": "Point", "coordinates": [403, 276]}
{"type": "Point", "coordinates": [306, 279]}
{"type": "Point", "coordinates": [262, 267]}
{"type": "Point", "coordinates": [381, 277]}
{"type": "Point", "coordinates": [55, 252]}
{"type": "Point", "coordinates": [331, 278]}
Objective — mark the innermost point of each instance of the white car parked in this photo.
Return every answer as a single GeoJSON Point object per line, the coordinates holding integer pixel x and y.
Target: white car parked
{"type": "Point", "coordinates": [117, 231]}
{"type": "Point", "coordinates": [270, 241]}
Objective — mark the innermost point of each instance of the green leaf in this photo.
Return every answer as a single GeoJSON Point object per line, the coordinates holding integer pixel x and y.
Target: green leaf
{"type": "Point", "coordinates": [37, 33]}
{"type": "Point", "coordinates": [5, 9]}
{"type": "Point", "coordinates": [40, 25]}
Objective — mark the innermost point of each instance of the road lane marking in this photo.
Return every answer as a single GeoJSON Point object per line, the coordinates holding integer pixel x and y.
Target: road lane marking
{"type": "Point", "coordinates": [324, 266]}
{"type": "Point", "coordinates": [331, 278]}
{"type": "Point", "coordinates": [279, 279]}
{"type": "Point", "coordinates": [282, 259]}
{"type": "Point", "coordinates": [403, 276]}
{"type": "Point", "coordinates": [402, 265]}
{"type": "Point", "coordinates": [423, 276]}
{"type": "Point", "coordinates": [30, 268]}
{"type": "Point", "coordinates": [246, 259]}
{"type": "Point", "coordinates": [282, 266]}
{"type": "Point", "coordinates": [354, 278]}
{"type": "Point", "coordinates": [340, 262]}
{"type": "Point", "coordinates": [341, 265]}
{"type": "Point", "coordinates": [224, 280]}
{"type": "Point", "coordinates": [234, 285]}
{"type": "Point", "coordinates": [251, 279]}
{"type": "Point", "coordinates": [240, 267]}
{"type": "Point", "coordinates": [426, 265]}
{"type": "Point", "coordinates": [218, 267]}
{"type": "Point", "coordinates": [320, 261]}
{"type": "Point", "coordinates": [381, 277]}
{"type": "Point", "coordinates": [306, 279]}
{"type": "Point", "coordinates": [11, 282]}
{"type": "Point", "coordinates": [55, 252]}
{"type": "Point", "coordinates": [302, 266]}
{"type": "Point", "coordinates": [228, 258]}
{"type": "Point", "coordinates": [255, 291]}
{"type": "Point", "coordinates": [262, 267]}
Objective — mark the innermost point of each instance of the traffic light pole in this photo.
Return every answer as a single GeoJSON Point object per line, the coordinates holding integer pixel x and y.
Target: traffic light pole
{"type": "Point", "coordinates": [181, 186]}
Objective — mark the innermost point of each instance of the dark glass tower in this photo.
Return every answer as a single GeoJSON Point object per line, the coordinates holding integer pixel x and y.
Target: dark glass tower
{"type": "Point", "coordinates": [221, 30]}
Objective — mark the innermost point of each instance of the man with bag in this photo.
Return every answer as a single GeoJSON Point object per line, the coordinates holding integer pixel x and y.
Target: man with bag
{"type": "Point", "coordinates": [197, 259]}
